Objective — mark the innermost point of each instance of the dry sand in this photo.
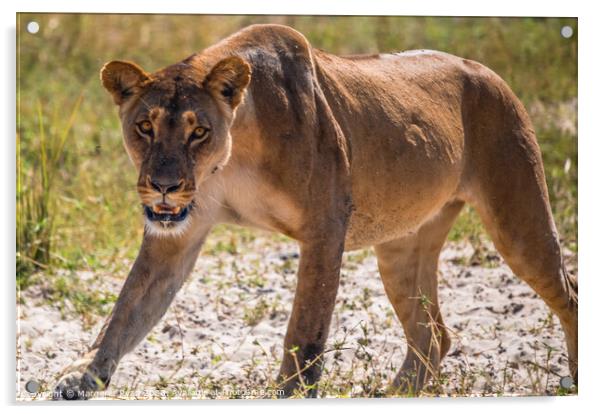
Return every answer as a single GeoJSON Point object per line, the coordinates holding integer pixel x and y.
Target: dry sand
{"type": "Point", "coordinates": [225, 330]}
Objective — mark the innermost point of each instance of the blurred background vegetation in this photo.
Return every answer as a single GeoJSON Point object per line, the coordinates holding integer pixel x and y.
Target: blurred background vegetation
{"type": "Point", "coordinates": [76, 201]}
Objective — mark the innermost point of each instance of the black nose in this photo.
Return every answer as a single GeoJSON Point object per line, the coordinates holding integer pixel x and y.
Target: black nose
{"type": "Point", "coordinates": [166, 186]}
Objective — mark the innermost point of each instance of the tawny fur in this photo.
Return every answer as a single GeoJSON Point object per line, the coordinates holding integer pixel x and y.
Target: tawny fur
{"type": "Point", "coordinates": [338, 153]}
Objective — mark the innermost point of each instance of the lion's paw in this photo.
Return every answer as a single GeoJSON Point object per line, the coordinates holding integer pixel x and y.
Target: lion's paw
{"type": "Point", "coordinates": [406, 383]}
{"type": "Point", "coordinates": [78, 383]}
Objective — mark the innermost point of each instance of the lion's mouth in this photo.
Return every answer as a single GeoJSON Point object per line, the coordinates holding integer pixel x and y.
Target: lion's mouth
{"type": "Point", "coordinates": [167, 214]}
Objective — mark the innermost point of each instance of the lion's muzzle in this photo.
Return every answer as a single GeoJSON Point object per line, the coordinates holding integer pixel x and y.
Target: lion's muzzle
{"type": "Point", "coordinates": [166, 203]}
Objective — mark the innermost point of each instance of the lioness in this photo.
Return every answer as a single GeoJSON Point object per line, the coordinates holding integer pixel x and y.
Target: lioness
{"type": "Point", "coordinates": [338, 153]}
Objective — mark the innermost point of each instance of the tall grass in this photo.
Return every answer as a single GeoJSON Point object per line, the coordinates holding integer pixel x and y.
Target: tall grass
{"type": "Point", "coordinates": [36, 195]}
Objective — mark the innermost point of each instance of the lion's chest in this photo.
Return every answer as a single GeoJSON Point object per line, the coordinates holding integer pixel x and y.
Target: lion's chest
{"type": "Point", "coordinates": [250, 201]}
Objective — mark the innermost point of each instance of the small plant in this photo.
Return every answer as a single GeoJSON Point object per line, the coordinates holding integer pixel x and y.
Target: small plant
{"type": "Point", "coordinates": [68, 293]}
{"type": "Point", "coordinates": [255, 314]}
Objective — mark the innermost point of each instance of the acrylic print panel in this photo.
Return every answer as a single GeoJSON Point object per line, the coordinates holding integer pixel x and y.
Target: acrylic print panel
{"type": "Point", "coordinates": [279, 148]}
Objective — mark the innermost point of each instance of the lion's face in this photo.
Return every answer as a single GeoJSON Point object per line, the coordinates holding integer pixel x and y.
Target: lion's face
{"type": "Point", "coordinates": [176, 128]}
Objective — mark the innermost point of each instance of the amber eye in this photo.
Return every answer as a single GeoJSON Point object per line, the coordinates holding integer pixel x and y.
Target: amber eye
{"type": "Point", "coordinates": [145, 127]}
{"type": "Point", "coordinates": [199, 133]}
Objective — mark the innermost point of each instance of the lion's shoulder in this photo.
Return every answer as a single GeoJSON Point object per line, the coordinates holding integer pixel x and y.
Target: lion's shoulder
{"type": "Point", "coordinates": [266, 39]}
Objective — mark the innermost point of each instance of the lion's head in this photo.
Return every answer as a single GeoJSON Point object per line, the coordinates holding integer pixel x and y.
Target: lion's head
{"type": "Point", "coordinates": [176, 129]}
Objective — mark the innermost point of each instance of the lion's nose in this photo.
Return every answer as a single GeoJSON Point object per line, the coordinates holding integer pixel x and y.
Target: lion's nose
{"type": "Point", "coordinates": [165, 186]}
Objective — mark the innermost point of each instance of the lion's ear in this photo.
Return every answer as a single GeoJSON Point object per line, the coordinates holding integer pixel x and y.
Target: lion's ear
{"type": "Point", "coordinates": [122, 79]}
{"type": "Point", "coordinates": [228, 80]}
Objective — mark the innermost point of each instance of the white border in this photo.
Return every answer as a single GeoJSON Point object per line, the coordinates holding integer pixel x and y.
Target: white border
{"type": "Point", "coordinates": [325, 7]}
{"type": "Point", "coordinates": [589, 177]}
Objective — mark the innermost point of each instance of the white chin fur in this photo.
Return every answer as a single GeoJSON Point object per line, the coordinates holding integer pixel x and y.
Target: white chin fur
{"type": "Point", "coordinates": [175, 229]}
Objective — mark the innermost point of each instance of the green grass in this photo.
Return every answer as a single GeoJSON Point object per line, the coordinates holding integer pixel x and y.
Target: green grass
{"type": "Point", "coordinates": [87, 302]}
{"type": "Point", "coordinates": [36, 203]}
{"type": "Point", "coordinates": [77, 206]}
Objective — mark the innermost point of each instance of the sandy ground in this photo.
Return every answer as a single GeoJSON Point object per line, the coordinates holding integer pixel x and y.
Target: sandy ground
{"type": "Point", "coordinates": [224, 332]}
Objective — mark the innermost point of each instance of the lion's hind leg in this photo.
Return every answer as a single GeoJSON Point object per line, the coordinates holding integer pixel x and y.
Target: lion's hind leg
{"type": "Point", "coordinates": [408, 268]}
{"type": "Point", "coordinates": [508, 191]}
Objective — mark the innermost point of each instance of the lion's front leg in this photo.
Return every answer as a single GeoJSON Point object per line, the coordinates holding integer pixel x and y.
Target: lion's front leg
{"type": "Point", "coordinates": [318, 280]}
{"type": "Point", "coordinates": [158, 273]}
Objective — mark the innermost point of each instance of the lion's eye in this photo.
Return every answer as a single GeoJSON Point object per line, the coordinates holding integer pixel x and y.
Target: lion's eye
{"type": "Point", "coordinates": [145, 127]}
{"type": "Point", "coordinates": [198, 134]}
